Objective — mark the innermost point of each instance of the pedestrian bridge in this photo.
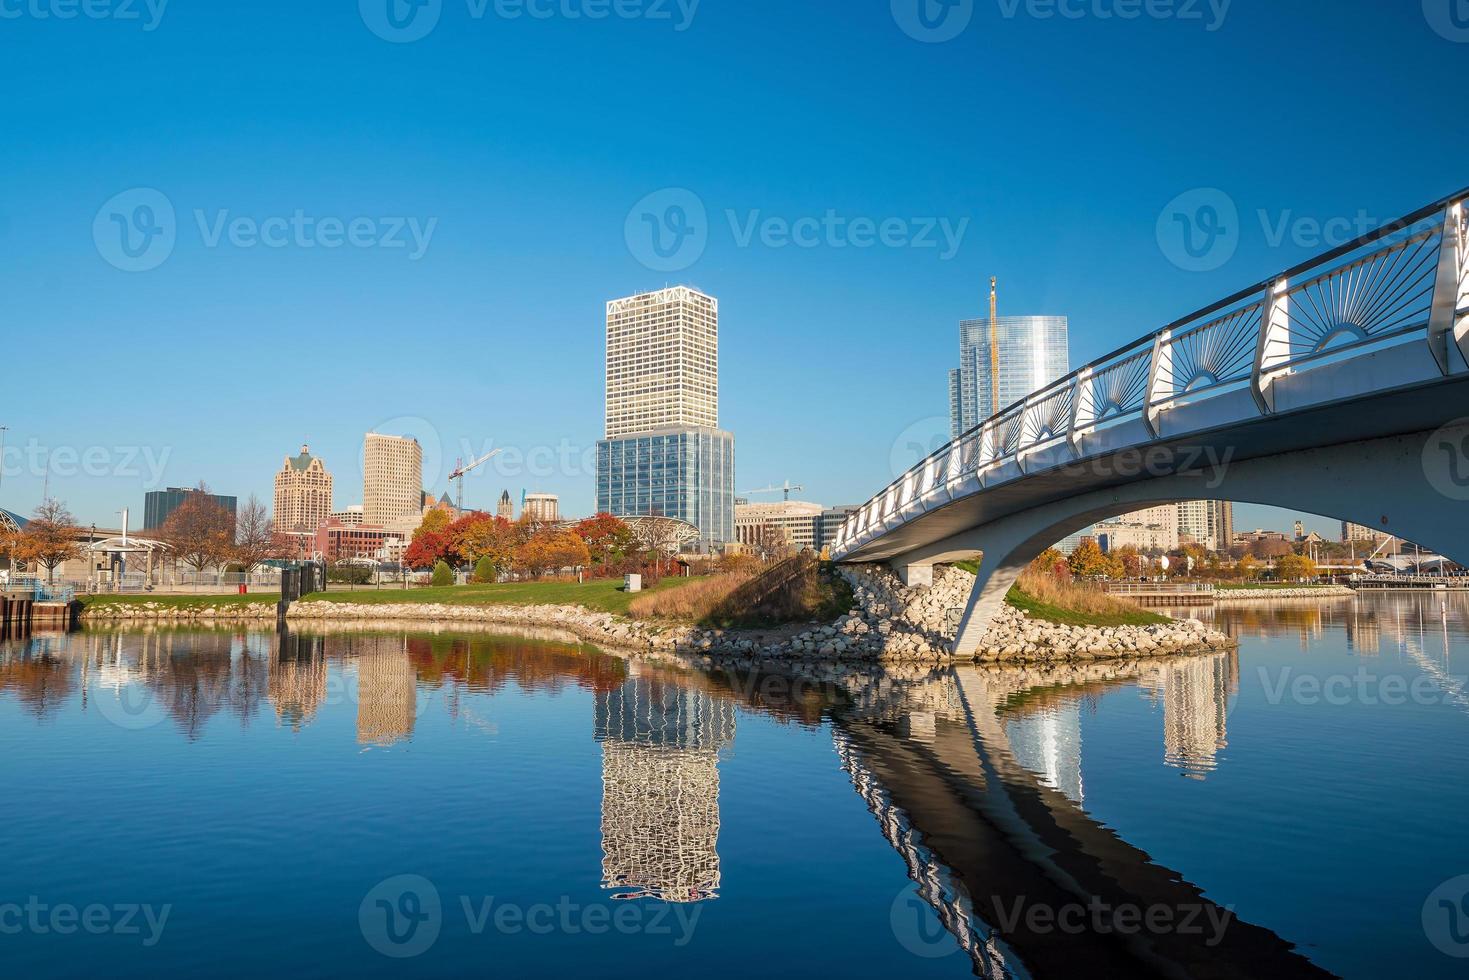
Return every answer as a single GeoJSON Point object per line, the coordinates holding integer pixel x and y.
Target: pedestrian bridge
{"type": "Point", "coordinates": [1339, 387]}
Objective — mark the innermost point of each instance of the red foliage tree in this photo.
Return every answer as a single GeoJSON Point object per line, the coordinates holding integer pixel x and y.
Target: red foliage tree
{"type": "Point", "coordinates": [426, 550]}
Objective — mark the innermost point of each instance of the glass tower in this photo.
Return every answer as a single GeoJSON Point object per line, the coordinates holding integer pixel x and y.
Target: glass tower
{"type": "Point", "coordinates": [1033, 352]}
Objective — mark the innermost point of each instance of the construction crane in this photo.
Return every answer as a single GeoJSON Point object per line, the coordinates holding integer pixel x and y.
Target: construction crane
{"type": "Point", "coordinates": [461, 468]}
{"type": "Point", "coordinates": [785, 489]}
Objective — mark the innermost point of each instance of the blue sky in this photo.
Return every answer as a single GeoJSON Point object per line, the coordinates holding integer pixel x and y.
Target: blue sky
{"type": "Point", "coordinates": [518, 145]}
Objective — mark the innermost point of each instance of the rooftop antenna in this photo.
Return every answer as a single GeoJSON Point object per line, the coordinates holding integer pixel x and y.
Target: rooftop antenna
{"type": "Point", "coordinates": [994, 348]}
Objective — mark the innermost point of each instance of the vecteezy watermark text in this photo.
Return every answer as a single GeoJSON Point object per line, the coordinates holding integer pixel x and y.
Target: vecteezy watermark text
{"type": "Point", "coordinates": [669, 229]}
{"type": "Point", "coordinates": [148, 13]}
{"type": "Point", "coordinates": [937, 21]}
{"type": "Point", "coordinates": [1098, 917]}
{"type": "Point", "coordinates": [37, 460]}
{"type": "Point", "coordinates": [137, 230]}
{"type": "Point", "coordinates": [39, 918]}
{"type": "Point", "coordinates": [402, 917]}
{"type": "Point", "coordinates": [406, 21]}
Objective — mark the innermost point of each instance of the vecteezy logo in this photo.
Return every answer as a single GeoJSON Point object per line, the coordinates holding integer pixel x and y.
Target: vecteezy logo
{"type": "Point", "coordinates": [1446, 460]}
{"type": "Point", "coordinates": [1446, 917]}
{"type": "Point", "coordinates": [400, 21]}
{"type": "Point", "coordinates": [1199, 230]}
{"type": "Point", "coordinates": [933, 21]}
{"type": "Point", "coordinates": [135, 231]}
{"type": "Point", "coordinates": [1448, 18]}
{"type": "Point", "coordinates": [130, 706]}
{"type": "Point", "coordinates": [918, 929]}
{"type": "Point", "coordinates": [401, 916]}
{"type": "Point", "coordinates": [918, 442]}
{"type": "Point", "coordinates": [668, 230]}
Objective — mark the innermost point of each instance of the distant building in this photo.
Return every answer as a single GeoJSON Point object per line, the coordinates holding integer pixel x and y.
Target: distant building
{"type": "Point", "coordinates": [664, 454]}
{"type": "Point", "coordinates": [1033, 351]}
{"type": "Point", "coordinates": [159, 504]}
{"type": "Point", "coordinates": [1151, 529]}
{"type": "Point", "coordinates": [831, 522]}
{"type": "Point", "coordinates": [335, 540]}
{"type": "Point", "coordinates": [506, 509]}
{"type": "Point", "coordinates": [540, 507]}
{"type": "Point", "coordinates": [392, 478]}
{"type": "Point", "coordinates": [349, 515]}
{"type": "Point", "coordinates": [797, 522]}
{"type": "Point", "coordinates": [1206, 523]}
{"type": "Point", "coordinates": [1360, 532]}
{"type": "Point", "coordinates": [303, 494]}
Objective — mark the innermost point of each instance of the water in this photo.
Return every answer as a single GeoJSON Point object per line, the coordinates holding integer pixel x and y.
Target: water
{"type": "Point", "coordinates": [433, 804]}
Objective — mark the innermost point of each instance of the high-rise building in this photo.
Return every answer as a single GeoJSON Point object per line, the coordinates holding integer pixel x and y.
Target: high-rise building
{"type": "Point", "coordinates": [541, 507]}
{"type": "Point", "coordinates": [392, 479]}
{"type": "Point", "coordinates": [1221, 524]}
{"type": "Point", "coordinates": [682, 473]}
{"type": "Point", "coordinates": [662, 361]}
{"type": "Point", "coordinates": [303, 494]}
{"type": "Point", "coordinates": [1193, 523]}
{"type": "Point", "coordinates": [664, 453]}
{"type": "Point", "coordinates": [159, 504]}
{"type": "Point", "coordinates": [1032, 351]}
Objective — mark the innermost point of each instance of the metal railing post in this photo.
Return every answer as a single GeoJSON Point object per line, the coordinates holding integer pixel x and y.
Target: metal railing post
{"type": "Point", "coordinates": [1448, 291]}
{"type": "Point", "coordinates": [1274, 346]}
{"type": "Point", "coordinates": [1162, 358]}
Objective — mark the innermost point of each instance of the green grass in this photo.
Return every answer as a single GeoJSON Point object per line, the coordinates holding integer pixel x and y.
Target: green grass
{"type": "Point", "coordinates": [1069, 617]}
{"type": "Point", "coordinates": [98, 602]}
{"type": "Point", "coordinates": [604, 595]}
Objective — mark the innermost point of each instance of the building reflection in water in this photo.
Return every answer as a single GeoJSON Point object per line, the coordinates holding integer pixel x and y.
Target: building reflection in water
{"type": "Point", "coordinates": [387, 690]}
{"type": "Point", "coordinates": [660, 788]}
{"type": "Point", "coordinates": [1195, 694]}
{"type": "Point", "coordinates": [1047, 741]}
{"type": "Point", "coordinates": [298, 679]}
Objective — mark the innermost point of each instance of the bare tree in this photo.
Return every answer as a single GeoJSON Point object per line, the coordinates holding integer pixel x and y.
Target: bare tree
{"type": "Point", "coordinates": [256, 541]}
{"type": "Point", "coordinates": [49, 539]}
{"type": "Point", "coordinates": [201, 531]}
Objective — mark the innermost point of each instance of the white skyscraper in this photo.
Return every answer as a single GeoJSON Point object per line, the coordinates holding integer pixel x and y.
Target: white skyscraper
{"type": "Point", "coordinates": [662, 361]}
{"type": "Point", "coordinates": [664, 454]}
{"type": "Point", "coordinates": [392, 479]}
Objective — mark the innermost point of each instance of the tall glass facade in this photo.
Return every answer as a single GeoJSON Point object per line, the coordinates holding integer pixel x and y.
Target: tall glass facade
{"type": "Point", "coordinates": [1034, 351]}
{"type": "Point", "coordinates": [687, 473]}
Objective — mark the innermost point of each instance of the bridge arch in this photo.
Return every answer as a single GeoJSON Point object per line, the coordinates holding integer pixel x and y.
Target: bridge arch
{"type": "Point", "coordinates": [1387, 484]}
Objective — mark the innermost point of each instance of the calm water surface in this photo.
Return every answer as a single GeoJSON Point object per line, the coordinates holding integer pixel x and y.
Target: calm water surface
{"type": "Point", "coordinates": [434, 804]}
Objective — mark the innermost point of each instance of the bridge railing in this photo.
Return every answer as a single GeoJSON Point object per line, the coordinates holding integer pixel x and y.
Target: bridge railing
{"type": "Point", "coordinates": [1405, 282]}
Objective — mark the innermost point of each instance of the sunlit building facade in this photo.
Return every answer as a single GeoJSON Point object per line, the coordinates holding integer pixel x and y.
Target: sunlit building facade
{"type": "Point", "coordinates": [1033, 352]}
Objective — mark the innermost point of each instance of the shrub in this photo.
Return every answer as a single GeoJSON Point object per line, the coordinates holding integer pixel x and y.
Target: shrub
{"type": "Point", "coordinates": [485, 570]}
{"type": "Point", "coordinates": [443, 574]}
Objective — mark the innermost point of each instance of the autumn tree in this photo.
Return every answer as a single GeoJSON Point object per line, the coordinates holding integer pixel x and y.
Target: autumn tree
{"type": "Point", "coordinates": [1131, 560]}
{"type": "Point", "coordinates": [49, 539]}
{"type": "Point", "coordinates": [435, 521]}
{"type": "Point", "coordinates": [479, 536]}
{"type": "Point", "coordinates": [1295, 568]}
{"type": "Point", "coordinates": [256, 541]}
{"type": "Point", "coordinates": [1247, 567]}
{"type": "Point", "coordinates": [200, 530]}
{"type": "Point", "coordinates": [549, 549]}
{"type": "Point", "coordinates": [1269, 548]}
{"type": "Point", "coordinates": [1087, 561]}
{"type": "Point", "coordinates": [608, 539]}
{"type": "Point", "coordinates": [426, 550]}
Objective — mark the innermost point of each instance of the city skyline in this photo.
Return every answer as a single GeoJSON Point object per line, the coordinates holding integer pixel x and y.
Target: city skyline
{"type": "Point", "coordinates": [810, 331]}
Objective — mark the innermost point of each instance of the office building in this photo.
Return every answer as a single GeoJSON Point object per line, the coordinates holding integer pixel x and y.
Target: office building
{"type": "Point", "coordinates": [662, 361]}
{"type": "Point", "coordinates": [334, 540]}
{"type": "Point", "coordinates": [664, 453]}
{"type": "Point", "coordinates": [1149, 530]}
{"type": "Point", "coordinates": [540, 507]}
{"type": "Point", "coordinates": [392, 479]}
{"type": "Point", "coordinates": [159, 504]}
{"type": "Point", "coordinates": [682, 473]}
{"type": "Point", "coordinates": [831, 523]}
{"type": "Point", "coordinates": [303, 494]}
{"type": "Point", "coordinates": [348, 515]}
{"type": "Point", "coordinates": [798, 524]}
{"type": "Point", "coordinates": [1031, 351]}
